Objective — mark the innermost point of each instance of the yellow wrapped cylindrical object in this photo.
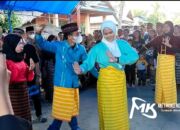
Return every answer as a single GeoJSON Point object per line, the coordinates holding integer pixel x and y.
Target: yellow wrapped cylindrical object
{"type": "Point", "coordinates": [165, 80]}
{"type": "Point", "coordinates": [112, 99]}
{"type": "Point", "coordinates": [65, 103]}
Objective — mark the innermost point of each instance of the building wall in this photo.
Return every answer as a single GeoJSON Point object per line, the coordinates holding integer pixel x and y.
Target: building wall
{"type": "Point", "coordinates": [63, 19]}
{"type": "Point", "coordinates": [40, 21]}
{"type": "Point", "coordinates": [94, 26]}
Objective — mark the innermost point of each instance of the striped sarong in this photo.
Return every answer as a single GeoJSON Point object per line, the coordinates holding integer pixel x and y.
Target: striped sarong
{"type": "Point", "coordinates": [112, 99]}
{"type": "Point", "coordinates": [20, 100]}
{"type": "Point", "coordinates": [165, 80]}
{"type": "Point", "coordinates": [65, 103]}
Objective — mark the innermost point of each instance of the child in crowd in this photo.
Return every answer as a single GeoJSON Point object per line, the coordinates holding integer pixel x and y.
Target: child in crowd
{"type": "Point", "coordinates": [141, 67]}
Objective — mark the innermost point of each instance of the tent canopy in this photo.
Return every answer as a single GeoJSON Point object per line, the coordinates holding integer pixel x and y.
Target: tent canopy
{"type": "Point", "coordinates": [51, 7]}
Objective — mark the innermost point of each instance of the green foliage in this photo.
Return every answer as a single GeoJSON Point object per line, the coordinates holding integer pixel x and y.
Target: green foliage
{"type": "Point", "coordinates": [138, 12]}
{"type": "Point", "coordinates": [15, 21]}
{"type": "Point", "coordinates": [176, 18]}
{"type": "Point", "coordinates": [156, 16]}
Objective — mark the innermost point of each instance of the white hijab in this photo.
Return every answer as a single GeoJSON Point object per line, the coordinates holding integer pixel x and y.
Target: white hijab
{"type": "Point", "coordinates": [112, 46]}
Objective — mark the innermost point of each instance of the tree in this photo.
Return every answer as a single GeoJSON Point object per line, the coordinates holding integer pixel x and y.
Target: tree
{"type": "Point", "coordinates": [118, 7]}
{"type": "Point", "coordinates": [15, 20]}
{"type": "Point", "coordinates": [176, 18]}
{"type": "Point", "coordinates": [138, 12]}
{"type": "Point", "coordinates": [156, 15]}
{"type": "Point", "coordinates": [121, 10]}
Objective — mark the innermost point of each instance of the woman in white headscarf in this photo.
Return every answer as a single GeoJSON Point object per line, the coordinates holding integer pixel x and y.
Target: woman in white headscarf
{"type": "Point", "coordinates": [112, 55]}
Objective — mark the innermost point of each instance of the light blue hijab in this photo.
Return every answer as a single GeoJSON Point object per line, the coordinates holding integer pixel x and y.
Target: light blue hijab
{"type": "Point", "coordinates": [108, 24]}
{"type": "Point", "coordinates": [113, 47]}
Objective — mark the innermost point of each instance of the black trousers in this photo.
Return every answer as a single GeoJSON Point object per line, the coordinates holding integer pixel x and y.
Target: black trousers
{"type": "Point", "coordinates": [37, 104]}
{"type": "Point", "coordinates": [130, 74]}
{"type": "Point", "coordinates": [47, 80]}
{"type": "Point", "coordinates": [141, 77]}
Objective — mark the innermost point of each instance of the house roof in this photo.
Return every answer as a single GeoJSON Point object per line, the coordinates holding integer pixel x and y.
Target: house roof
{"type": "Point", "coordinates": [96, 8]}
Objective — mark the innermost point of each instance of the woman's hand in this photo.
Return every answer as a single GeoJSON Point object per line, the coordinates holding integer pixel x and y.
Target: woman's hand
{"type": "Point", "coordinates": [1, 43]}
{"type": "Point", "coordinates": [4, 72]}
{"type": "Point", "coordinates": [5, 103]}
{"type": "Point", "coordinates": [32, 64]}
{"type": "Point", "coordinates": [166, 42]}
{"type": "Point", "coordinates": [77, 68]}
{"type": "Point", "coordinates": [111, 57]}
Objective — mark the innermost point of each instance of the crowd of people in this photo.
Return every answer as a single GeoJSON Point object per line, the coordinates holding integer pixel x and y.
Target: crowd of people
{"type": "Point", "coordinates": [142, 72]}
{"type": "Point", "coordinates": [126, 57]}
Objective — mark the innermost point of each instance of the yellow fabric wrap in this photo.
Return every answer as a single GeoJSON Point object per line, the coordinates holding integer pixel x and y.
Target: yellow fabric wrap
{"type": "Point", "coordinates": [165, 80]}
{"type": "Point", "coordinates": [65, 103]}
{"type": "Point", "coordinates": [112, 99]}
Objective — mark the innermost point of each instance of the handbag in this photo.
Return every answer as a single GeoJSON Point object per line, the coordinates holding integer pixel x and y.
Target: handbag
{"type": "Point", "coordinates": [34, 90]}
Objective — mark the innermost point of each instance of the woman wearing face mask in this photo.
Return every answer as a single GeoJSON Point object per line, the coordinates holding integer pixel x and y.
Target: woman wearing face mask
{"type": "Point", "coordinates": [167, 46]}
{"type": "Point", "coordinates": [111, 55]}
{"type": "Point", "coordinates": [30, 52]}
{"type": "Point", "coordinates": [20, 74]}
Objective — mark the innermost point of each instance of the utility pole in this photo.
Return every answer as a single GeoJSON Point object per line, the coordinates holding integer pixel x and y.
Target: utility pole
{"type": "Point", "coordinates": [121, 8]}
{"type": "Point", "coordinates": [56, 20]}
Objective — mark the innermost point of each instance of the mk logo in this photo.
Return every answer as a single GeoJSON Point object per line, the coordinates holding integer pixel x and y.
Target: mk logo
{"type": "Point", "coordinates": [144, 107]}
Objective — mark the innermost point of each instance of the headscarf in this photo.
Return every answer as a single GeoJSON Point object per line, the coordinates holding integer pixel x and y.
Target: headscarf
{"type": "Point", "coordinates": [113, 47]}
{"type": "Point", "coordinates": [108, 24]}
{"type": "Point", "coordinates": [10, 43]}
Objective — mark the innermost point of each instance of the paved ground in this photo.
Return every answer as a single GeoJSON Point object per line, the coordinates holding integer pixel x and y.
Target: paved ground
{"type": "Point", "coordinates": [88, 119]}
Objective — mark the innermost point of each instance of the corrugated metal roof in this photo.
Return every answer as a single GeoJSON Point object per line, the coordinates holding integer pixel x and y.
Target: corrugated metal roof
{"type": "Point", "coordinates": [98, 6]}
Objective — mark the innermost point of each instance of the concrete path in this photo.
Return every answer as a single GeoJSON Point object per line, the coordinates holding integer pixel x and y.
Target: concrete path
{"type": "Point", "coordinates": [88, 119]}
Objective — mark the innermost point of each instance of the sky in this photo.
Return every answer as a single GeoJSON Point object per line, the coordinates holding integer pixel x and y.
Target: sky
{"type": "Point", "coordinates": [169, 7]}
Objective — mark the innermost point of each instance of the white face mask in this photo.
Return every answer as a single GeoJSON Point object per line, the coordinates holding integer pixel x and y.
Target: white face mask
{"type": "Point", "coordinates": [32, 36]}
{"type": "Point", "coordinates": [78, 39]}
{"type": "Point", "coordinates": [25, 40]}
